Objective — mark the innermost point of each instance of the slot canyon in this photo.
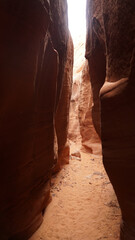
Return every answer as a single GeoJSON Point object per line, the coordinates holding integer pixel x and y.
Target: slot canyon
{"type": "Point", "coordinates": [67, 121]}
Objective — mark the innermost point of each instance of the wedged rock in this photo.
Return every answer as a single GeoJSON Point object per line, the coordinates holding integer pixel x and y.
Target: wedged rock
{"type": "Point", "coordinates": [76, 154]}
{"type": "Point", "coordinates": [110, 39]}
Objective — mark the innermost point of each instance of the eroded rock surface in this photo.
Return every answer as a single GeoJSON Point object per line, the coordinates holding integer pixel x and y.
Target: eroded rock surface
{"type": "Point", "coordinates": [82, 133]}
{"type": "Point", "coordinates": [74, 125]}
{"type": "Point", "coordinates": [110, 40]}
{"type": "Point", "coordinates": [90, 140]}
{"type": "Point", "coordinates": [31, 70]}
{"type": "Point", "coordinates": [62, 112]}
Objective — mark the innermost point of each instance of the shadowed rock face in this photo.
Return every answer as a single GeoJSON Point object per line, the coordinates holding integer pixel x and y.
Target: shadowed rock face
{"type": "Point", "coordinates": [62, 113]}
{"type": "Point", "coordinates": [59, 32]}
{"type": "Point", "coordinates": [95, 53]}
{"type": "Point", "coordinates": [63, 44]}
{"type": "Point", "coordinates": [111, 25]}
{"type": "Point", "coordinates": [29, 77]}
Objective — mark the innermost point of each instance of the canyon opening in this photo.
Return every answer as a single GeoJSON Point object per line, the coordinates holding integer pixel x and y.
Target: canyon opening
{"type": "Point", "coordinates": [67, 120]}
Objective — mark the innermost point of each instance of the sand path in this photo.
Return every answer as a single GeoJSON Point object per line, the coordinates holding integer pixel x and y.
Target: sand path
{"type": "Point", "coordinates": [83, 206]}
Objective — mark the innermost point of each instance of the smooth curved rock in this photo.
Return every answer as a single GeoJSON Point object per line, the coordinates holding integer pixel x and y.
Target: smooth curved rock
{"type": "Point", "coordinates": [62, 113]}
{"type": "Point", "coordinates": [29, 70]}
{"type": "Point", "coordinates": [62, 42]}
{"type": "Point", "coordinates": [59, 33]}
{"type": "Point", "coordinates": [111, 31]}
{"type": "Point", "coordinates": [95, 53]}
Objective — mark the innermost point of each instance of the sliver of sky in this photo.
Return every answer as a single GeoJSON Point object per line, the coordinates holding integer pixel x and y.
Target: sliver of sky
{"type": "Point", "coordinates": [77, 17]}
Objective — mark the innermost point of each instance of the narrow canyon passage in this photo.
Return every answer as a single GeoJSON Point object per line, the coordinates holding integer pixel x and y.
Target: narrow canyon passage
{"type": "Point", "coordinates": [83, 206]}
{"type": "Point", "coordinates": [54, 119]}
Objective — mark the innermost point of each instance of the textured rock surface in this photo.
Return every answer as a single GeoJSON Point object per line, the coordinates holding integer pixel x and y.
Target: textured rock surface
{"type": "Point", "coordinates": [90, 139]}
{"type": "Point", "coordinates": [95, 53]}
{"type": "Point", "coordinates": [82, 130]}
{"type": "Point", "coordinates": [62, 113]}
{"type": "Point", "coordinates": [111, 31]}
{"type": "Point", "coordinates": [59, 33]}
{"type": "Point", "coordinates": [63, 44]}
{"type": "Point", "coordinates": [30, 72]}
{"type": "Point", "coordinates": [74, 126]}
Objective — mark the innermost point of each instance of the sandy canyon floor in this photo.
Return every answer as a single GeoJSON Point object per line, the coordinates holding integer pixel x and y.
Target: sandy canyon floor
{"type": "Point", "coordinates": [83, 206]}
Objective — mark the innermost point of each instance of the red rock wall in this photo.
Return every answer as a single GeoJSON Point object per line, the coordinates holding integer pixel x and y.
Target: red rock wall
{"type": "Point", "coordinates": [59, 33]}
{"type": "Point", "coordinates": [95, 53]}
{"type": "Point", "coordinates": [63, 44]}
{"type": "Point", "coordinates": [29, 71]}
{"type": "Point", "coordinates": [62, 113]}
{"type": "Point", "coordinates": [111, 31]}
{"type": "Point", "coordinates": [90, 139]}
{"type": "Point", "coordinates": [74, 126]}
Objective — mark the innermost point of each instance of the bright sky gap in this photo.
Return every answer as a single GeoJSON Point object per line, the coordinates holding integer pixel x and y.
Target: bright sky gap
{"type": "Point", "coordinates": [77, 17]}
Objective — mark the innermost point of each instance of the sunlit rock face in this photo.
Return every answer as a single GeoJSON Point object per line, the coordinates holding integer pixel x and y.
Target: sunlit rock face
{"type": "Point", "coordinates": [32, 72]}
{"type": "Point", "coordinates": [110, 52]}
{"type": "Point", "coordinates": [82, 133]}
{"type": "Point", "coordinates": [74, 126]}
{"type": "Point", "coordinates": [90, 140]}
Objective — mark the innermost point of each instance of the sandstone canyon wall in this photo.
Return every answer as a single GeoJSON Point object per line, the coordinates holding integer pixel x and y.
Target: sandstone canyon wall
{"type": "Point", "coordinates": [74, 126]}
{"type": "Point", "coordinates": [110, 52]}
{"type": "Point", "coordinates": [82, 133]}
{"type": "Point", "coordinates": [33, 50]}
{"type": "Point", "coordinates": [62, 112]}
{"type": "Point", "coordinates": [90, 139]}
{"type": "Point", "coordinates": [62, 42]}
{"type": "Point", "coordinates": [95, 53]}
